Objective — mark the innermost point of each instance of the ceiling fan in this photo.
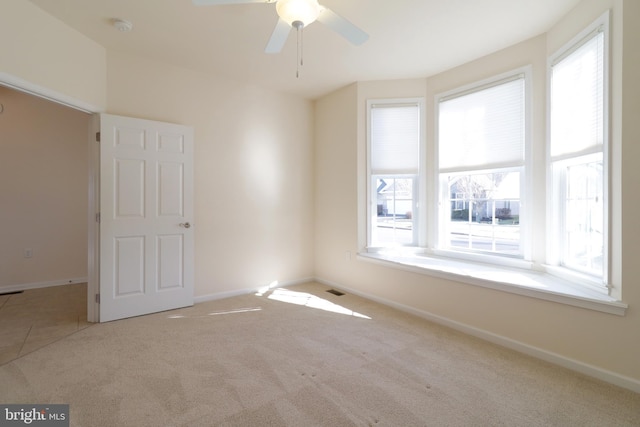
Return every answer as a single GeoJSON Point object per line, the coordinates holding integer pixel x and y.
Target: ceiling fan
{"type": "Point", "coordinates": [299, 14]}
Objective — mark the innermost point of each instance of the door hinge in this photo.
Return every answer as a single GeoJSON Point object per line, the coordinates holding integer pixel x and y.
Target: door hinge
{"type": "Point", "coordinates": [98, 217]}
{"type": "Point", "coordinates": [97, 136]}
{"type": "Point", "coordinates": [97, 298]}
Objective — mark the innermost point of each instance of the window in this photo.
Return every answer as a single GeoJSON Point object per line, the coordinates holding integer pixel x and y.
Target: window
{"type": "Point", "coordinates": [577, 153]}
{"type": "Point", "coordinates": [481, 161]}
{"type": "Point", "coordinates": [394, 168]}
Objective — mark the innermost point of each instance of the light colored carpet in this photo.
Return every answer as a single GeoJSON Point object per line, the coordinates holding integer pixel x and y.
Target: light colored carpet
{"type": "Point", "coordinates": [301, 356]}
{"type": "Point", "coordinates": [37, 317]}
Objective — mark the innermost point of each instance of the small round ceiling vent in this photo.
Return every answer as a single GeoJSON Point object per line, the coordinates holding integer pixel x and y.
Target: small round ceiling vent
{"type": "Point", "coordinates": [122, 25]}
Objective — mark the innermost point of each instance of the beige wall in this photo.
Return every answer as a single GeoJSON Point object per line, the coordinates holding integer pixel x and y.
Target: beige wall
{"type": "Point", "coordinates": [253, 170]}
{"type": "Point", "coordinates": [630, 173]}
{"type": "Point", "coordinates": [39, 50]}
{"type": "Point", "coordinates": [43, 183]}
{"type": "Point", "coordinates": [583, 338]}
{"type": "Point", "coordinates": [44, 175]}
{"type": "Point", "coordinates": [335, 179]}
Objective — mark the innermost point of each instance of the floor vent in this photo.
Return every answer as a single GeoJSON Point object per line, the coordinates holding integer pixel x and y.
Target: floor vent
{"type": "Point", "coordinates": [10, 293]}
{"type": "Point", "coordinates": [333, 291]}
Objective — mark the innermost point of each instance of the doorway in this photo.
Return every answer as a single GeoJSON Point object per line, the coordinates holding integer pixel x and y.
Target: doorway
{"type": "Point", "coordinates": [43, 182]}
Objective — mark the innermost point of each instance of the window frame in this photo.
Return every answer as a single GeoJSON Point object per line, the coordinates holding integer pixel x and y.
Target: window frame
{"type": "Point", "coordinates": [526, 179]}
{"type": "Point", "coordinates": [374, 214]}
{"type": "Point", "coordinates": [555, 180]}
{"type": "Point", "coordinates": [444, 223]}
{"type": "Point", "coordinates": [419, 212]}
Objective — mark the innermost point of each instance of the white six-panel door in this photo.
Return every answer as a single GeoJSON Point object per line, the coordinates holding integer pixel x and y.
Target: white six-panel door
{"type": "Point", "coordinates": [146, 217]}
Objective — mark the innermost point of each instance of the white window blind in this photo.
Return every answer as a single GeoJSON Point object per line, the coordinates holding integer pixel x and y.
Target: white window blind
{"type": "Point", "coordinates": [485, 127]}
{"type": "Point", "coordinates": [395, 139]}
{"type": "Point", "coordinates": [577, 94]}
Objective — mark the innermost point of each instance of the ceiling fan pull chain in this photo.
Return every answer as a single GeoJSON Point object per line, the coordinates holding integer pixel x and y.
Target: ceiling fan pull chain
{"type": "Point", "coordinates": [299, 26]}
{"type": "Point", "coordinates": [298, 60]}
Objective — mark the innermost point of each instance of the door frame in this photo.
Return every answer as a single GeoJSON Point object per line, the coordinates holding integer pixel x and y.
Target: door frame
{"type": "Point", "coordinates": [93, 259]}
{"type": "Point", "coordinates": [93, 232]}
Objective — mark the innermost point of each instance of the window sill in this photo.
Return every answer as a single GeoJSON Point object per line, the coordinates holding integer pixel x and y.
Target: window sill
{"type": "Point", "coordinates": [528, 283]}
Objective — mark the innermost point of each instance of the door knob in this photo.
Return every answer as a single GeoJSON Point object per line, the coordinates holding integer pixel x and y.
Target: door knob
{"type": "Point", "coordinates": [185, 224]}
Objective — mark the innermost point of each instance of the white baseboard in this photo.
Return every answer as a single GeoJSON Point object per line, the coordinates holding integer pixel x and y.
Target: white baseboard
{"type": "Point", "coordinates": [263, 288]}
{"type": "Point", "coordinates": [557, 359]}
{"type": "Point", "coordinates": [37, 285]}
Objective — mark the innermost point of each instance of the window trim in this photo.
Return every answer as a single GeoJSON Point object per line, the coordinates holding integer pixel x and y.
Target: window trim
{"type": "Point", "coordinates": [550, 287]}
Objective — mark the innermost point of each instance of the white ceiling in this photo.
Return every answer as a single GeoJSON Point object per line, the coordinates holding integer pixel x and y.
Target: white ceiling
{"type": "Point", "coordinates": [408, 38]}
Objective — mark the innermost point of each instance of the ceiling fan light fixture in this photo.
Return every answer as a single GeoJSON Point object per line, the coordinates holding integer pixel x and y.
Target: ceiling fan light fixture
{"type": "Point", "coordinates": [305, 11]}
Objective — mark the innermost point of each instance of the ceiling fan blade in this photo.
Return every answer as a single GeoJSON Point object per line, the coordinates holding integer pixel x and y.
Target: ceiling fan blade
{"type": "Point", "coordinates": [342, 26]}
{"type": "Point", "coordinates": [217, 2]}
{"type": "Point", "coordinates": [278, 37]}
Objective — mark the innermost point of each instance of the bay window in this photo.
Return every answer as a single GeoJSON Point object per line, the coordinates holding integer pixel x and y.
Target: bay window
{"type": "Point", "coordinates": [459, 204]}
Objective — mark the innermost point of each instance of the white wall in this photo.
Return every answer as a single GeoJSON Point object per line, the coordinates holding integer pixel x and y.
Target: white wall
{"type": "Point", "coordinates": [598, 342]}
{"type": "Point", "coordinates": [253, 170]}
{"type": "Point", "coordinates": [43, 183]}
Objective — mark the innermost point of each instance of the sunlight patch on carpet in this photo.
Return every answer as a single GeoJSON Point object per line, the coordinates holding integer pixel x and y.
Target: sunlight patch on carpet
{"type": "Point", "coordinates": [217, 313]}
{"type": "Point", "coordinates": [311, 301]}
